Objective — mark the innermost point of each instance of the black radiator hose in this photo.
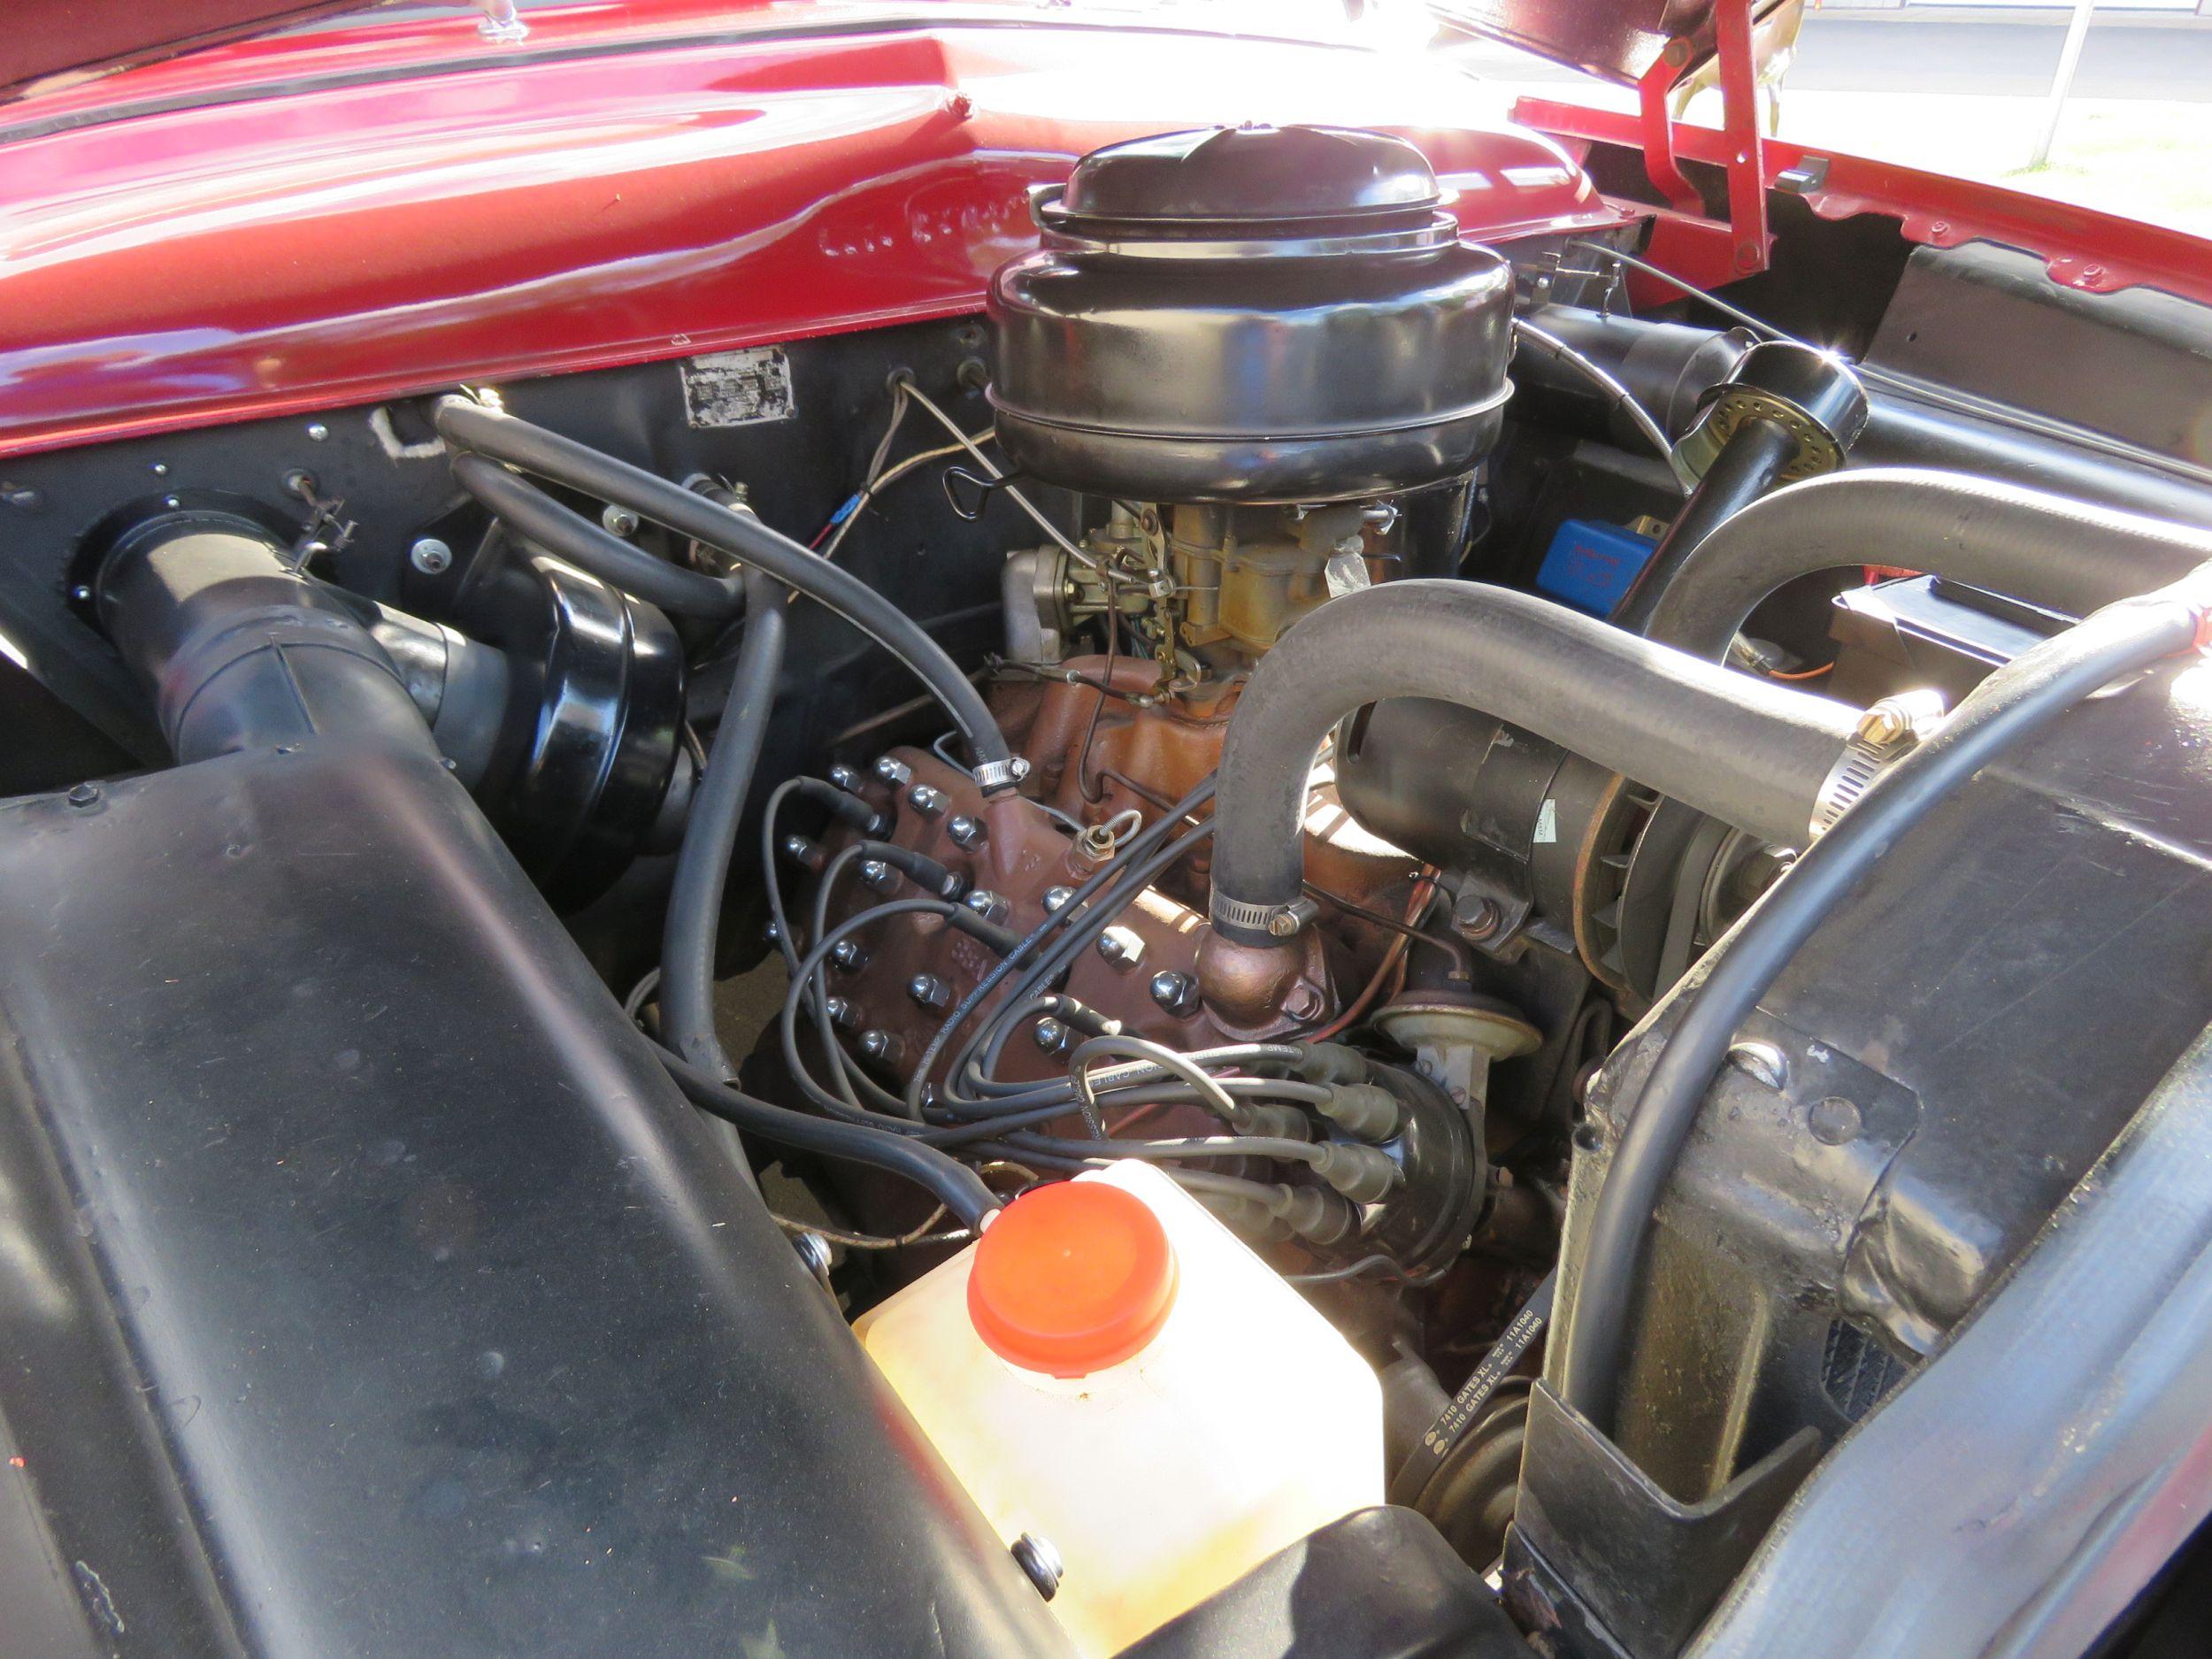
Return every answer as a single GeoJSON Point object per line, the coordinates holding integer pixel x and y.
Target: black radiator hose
{"type": "Point", "coordinates": [1749, 752]}
{"type": "Point", "coordinates": [2044, 548]}
{"type": "Point", "coordinates": [472, 426]}
{"type": "Point", "coordinates": [695, 899]}
{"type": "Point", "coordinates": [2013, 703]}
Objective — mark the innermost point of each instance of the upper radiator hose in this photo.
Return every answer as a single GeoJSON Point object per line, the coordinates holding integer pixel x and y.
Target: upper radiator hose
{"type": "Point", "coordinates": [2044, 548]}
{"type": "Point", "coordinates": [1749, 752]}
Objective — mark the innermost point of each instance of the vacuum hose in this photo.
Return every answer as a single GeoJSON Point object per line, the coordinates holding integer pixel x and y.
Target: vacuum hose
{"type": "Point", "coordinates": [470, 426]}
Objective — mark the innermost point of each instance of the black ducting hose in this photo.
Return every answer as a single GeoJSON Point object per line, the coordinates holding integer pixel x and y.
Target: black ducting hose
{"type": "Point", "coordinates": [2013, 703]}
{"type": "Point", "coordinates": [2044, 548]}
{"type": "Point", "coordinates": [952, 1183]}
{"type": "Point", "coordinates": [242, 651]}
{"type": "Point", "coordinates": [1750, 753]}
{"type": "Point", "coordinates": [694, 900]}
{"type": "Point", "coordinates": [472, 426]}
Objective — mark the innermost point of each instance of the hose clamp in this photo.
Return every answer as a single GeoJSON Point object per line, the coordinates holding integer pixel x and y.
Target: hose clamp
{"type": "Point", "coordinates": [1887, 730]}
{"type": "Point", "coordinates": [1277, 921]}
{"type": "Point", "coordinates": [991, 776]}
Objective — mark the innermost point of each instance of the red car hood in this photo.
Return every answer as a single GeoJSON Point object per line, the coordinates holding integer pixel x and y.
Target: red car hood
{"type": "Point", "coordinates": [1618, 39]}
{"type": "Point", "coordinates": [49, 38]}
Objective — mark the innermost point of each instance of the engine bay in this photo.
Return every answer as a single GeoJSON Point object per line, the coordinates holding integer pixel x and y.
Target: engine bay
{"type": "Point", "coordinates": [1629, 864]}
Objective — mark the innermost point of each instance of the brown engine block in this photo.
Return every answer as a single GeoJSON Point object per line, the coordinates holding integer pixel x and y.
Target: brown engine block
{"type": "Point", "coordinates": [1140, 751]}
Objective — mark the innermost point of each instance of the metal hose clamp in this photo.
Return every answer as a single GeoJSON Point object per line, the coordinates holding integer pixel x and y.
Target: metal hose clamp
{"type": "Point", "coordinates": [1886, 731]}
{"type": "Point", "coordinates": [991, 776]}
{"type": "Point", "coordinates": [1277, 921]}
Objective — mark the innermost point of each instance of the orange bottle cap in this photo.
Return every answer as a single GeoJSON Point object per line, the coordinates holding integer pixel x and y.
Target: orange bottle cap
{"type": "Point", "coordinates": [1070, 1279]}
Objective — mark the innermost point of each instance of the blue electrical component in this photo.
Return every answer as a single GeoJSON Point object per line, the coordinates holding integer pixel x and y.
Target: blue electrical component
{"type": "Point", "coordinates": [1591, 564]}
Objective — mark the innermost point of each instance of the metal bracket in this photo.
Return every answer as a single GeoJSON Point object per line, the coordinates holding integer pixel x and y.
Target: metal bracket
{"type": "Point", "coordinates": [1748, 238]}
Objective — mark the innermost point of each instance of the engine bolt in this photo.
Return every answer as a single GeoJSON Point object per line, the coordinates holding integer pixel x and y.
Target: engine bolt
{"type": "Point", "coordinates": [1050, 1035]}
{"type": "Point", "coordinates": [879, 875]}
{"type": "Point", "coordinates": [772, 933]}
{"type": "Point", "coordinates": [1477, 918]}
{"type": "Point", "coordinates": [894, 772]}
{"type": "Point", "coordinates": [430, 556]}
{"type": "Point", "coordinates": [842, 1013]}
{"type": "Point", "coordinates": [1121, 947]}
{"type": "Point", "coordinates": [316, 432]}
{"type": "Point", "coordinates": [1056, 897]}
{"type": "Point", "coordinates": [800, 850]}
{"type": "Point", "coordinates": [849, 954]}
{"type": "Point", "coordinates": [1038, 1559]}
{"type": "Point", "coordinates": [965, 832]}
{"type": "Point", "coordinates": [930, 991]}
{"type": "Point", "coordinates": [988, 905]}
{"type": "Point", "coordinates": [1763, 1062]}
{"type": "Point", "coordinates": [1176, 993]}
{"type": "Point", "coordinates": [620, 521]}
{"type": "Point", "coordinates": [928, 802]}
{"type": "Point", "coordinates": [846, 779]}
{"type": "Point", "coordinates": [885, 1046]}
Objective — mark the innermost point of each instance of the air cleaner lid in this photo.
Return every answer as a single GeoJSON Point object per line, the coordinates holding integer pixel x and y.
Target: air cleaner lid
{"type": "Point", "coordinates": [1070, 1279]}
{"type": "Point", "coordinates": [1250, 176]}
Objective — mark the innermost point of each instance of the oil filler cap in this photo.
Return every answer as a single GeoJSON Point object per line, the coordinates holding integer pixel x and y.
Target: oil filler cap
{"type": "Point", "coordinates": [1070, 1279]}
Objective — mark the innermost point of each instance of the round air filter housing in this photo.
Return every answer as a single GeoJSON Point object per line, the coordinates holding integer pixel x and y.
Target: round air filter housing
{"type": "Point", "coordinates": [1251, 314]}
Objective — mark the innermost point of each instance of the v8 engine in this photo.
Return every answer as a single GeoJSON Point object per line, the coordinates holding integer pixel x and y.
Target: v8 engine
{"type": "Point", "coordinates": [1326, 932]}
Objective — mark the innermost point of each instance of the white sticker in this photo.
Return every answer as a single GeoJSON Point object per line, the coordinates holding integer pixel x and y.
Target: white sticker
{"type": "Point", "coordinates": [738, 388]}
{"type": "Point", "coordinates": [1546, 824]}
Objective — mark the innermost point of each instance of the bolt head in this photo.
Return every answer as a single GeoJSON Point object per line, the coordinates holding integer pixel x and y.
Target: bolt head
{"type": "Point", "coordinates": [878, 875]}
{"type": "Point", "coordinates": [892, 771]}
{"type": "Point", "coordinates": [928, 802]}
{"type": "Point", "coordinates": [1176, 993]}
{"type": "Point", "coordinates": [618, 521]}
{"type": "Point", "coordinates": [1121, 947]}
{"type": "Point", "coordinates": [1050, 1035]}
{"type": "Point", "coordinates": [1057, 898]}
{"type": "Point", "coordinates": [846, 779]}
{"type": "Point", "coordinates": [875, 1044]}
{"type": "Point", "coordinates": [1763, 1062]}
{"type": "Point", "coordinates": [1882, 724]}
{"type": "Point", "coordinates": [965, 832]}
{"type": "Point", "coordinates": [430, 556]}
{"type": "Point", "coordinates": [1038, 1559]}
{"type": "Point", "coordinates": [83, 794]}
{"type": "Point", "coordinates": [316, 432]}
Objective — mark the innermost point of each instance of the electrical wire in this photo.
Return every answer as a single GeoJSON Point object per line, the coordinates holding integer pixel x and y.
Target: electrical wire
{"type": "Point", "coordinates": [920, 1235]}
{"type": "Point", "coordinates": [1137, 847]}
{"type": "Point", "coordinates": [1392, 957]}
{"type": "Point", "coordinates": [1051, 529]}
{"type": "Point", "coordinates": [1212, 1095]}
{"type": "Point", "coordinates": [846, 516]}
{"type": "Point", "coordinates": [1623, 398]}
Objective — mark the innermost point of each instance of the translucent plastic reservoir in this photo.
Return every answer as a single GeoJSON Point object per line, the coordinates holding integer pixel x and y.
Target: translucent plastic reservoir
{"type": "Point", "coordinates": [1203, 1415]}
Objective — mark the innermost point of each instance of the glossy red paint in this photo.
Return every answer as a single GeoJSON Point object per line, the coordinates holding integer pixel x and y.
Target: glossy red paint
{"type": "Point", "coordinates": [2082, 248]}
{"type": "Point", "coordinates": [574, 209]}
